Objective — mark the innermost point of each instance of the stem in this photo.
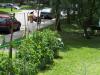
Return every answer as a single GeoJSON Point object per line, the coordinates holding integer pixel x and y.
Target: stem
{"type": "Point", "coordinates": [38, 3]}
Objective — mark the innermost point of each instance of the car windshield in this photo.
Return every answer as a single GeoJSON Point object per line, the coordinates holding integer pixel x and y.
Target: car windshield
{"type": "Point", "coordinates": [2, 20]}
{"type": "Point", "coordinates": [48, 10]}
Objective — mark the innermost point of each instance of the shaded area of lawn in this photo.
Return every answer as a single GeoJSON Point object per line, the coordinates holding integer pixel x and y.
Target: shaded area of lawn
{"type": "Point", "coordinates": [79, 57]}
{"type": "Point", "coordinates": [76, 40]}
{"type": "Point", "coordinates": [73, 37]}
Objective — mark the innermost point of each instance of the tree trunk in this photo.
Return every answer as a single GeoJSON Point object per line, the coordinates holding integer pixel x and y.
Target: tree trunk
{"type": "Point", "coordinates": [68, 16]}
{"type": "Point", "coordinates": [58, 25]}
{"type": "Point", "coordinates": [57, 14]}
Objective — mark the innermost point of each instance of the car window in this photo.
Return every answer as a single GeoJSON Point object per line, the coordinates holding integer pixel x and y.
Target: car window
{"type": "Point", "coordinates": [2, 20]}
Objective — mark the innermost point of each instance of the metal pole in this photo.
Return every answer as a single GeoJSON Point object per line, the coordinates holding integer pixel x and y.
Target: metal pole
{"type": "Point", "coordinates": [11, 31]}
{"type": "Point", "coordinates": [25, 24]}
{"type": "Point", "coordinates": [38, 4]}
{"type": "Point", "coordinates": [10, 45]}
{"type": "Point", "coordinates": [11, 37]}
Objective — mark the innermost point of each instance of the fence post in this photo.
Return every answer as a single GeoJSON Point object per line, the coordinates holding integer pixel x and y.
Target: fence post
{"type": "Point", "coordinates": [25, 24]}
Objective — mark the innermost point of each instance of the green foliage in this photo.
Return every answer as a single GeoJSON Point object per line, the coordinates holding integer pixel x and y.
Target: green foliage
{"type": "Point", "coordinates": [28, 57]}
{"type": "Point", "coordinates": [79, 57]}
{"type": "Point", "coordinates": [16, 67]}
{"type": "Point", "coordinates": [8, 10]}
{"type": "Point", "coordinates": [34, 53]}
{"type": "Point", "coordinates": [40, 48]}
{"type": "Point", "coordinates": [23, 67]}
{"type": "Point", "coordinates": [6, 66]}
{"type": "Point", "coordinates": [52, 41]}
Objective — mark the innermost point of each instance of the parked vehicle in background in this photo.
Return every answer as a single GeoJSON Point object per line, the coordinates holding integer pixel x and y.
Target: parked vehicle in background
{"type": "Point", "coordinates": [9, 5]}
{"type": "Point", "coordinates": [46, 13]}
{"type": "Point", "coordinates": [13, 6]}
{"type": "Point", "coordinates": [6, 22]}
{"type": "Point", "coordinates": [2, 5]}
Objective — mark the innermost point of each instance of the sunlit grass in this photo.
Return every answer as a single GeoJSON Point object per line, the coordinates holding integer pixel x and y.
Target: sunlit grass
{"type": "Point", "coordinates": [79, 57]}
{"type": "Point", "coordinates": [9, 10]}
{"type": "Point", "coordinates": [76, 61]}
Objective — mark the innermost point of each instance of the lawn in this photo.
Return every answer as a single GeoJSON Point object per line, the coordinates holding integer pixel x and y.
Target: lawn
{"type": "Point", "coordinates": [8, 10]}
{"type": "Point", "coordinates": [79, 56]}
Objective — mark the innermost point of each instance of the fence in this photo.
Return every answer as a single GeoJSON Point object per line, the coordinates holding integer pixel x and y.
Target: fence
{"type": "Point", "coordinates": [16, 42]}
{"type": "Point", "coordinates": [23, 18]}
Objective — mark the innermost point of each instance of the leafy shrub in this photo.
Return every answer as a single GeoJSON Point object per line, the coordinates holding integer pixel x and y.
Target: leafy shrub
{"type": "Point", "coordinates": [6, 66]}
{"type": "Point", "coordinates": [28, 56]}
{"type": "Point", "coordinates": [35, 52]}
{"type": "Point", "coordinates": [22, 67]}
{"type": "Point", "coordinates": [16, 67]}
{"type": "Point", "coordinates": [33, 49]}
{"type": "Point", "coordinates": [41, 47]}
{"type": "Point", "coordinates": [53, 41]}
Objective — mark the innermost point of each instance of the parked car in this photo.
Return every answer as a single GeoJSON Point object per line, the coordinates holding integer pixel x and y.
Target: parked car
{"type": "Point", "coordinates": [13, 6]}
{"type": "Point", "coordinates": [6, 22]}
{"type": "Point", "coordinates": [46, 13]}
{"type": "Point", "coordinates": [9, 5]}
{"type": "Point", "coordinates": [3, 5]}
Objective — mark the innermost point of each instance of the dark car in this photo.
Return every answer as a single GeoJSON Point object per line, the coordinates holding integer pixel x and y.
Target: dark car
{"type": "Point", "coordinates": [7, 22]}
{"type": "Point", "coordinates": [46, 13]}
{"type": "Point", "coordinates": [9, 5]}
{"type": "Point", "coordinates": [2, 5]}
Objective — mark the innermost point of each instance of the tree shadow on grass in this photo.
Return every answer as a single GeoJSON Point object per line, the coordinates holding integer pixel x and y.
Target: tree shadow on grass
{"type": "Point", "coordinates": [47, 67]}
{"type": "Point", "coordinates": [76, 40]}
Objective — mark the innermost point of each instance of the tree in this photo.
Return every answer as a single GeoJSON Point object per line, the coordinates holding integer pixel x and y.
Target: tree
{"type": "Point", "coordinates": [56, 9]}
{"type": "Point", "coordinates": [84, 13]}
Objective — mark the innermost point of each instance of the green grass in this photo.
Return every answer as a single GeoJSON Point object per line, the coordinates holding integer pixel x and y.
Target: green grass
{"type": "Point", "coordinates": [8, 10]}
{"type": "Point", "coordinates": [79, 57]}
